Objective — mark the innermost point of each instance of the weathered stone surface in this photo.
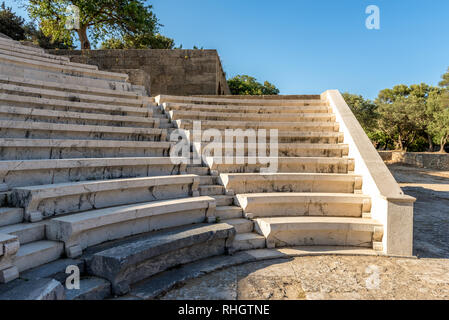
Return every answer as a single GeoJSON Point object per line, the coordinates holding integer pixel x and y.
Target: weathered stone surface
{"type": "Point", "coordinates": [291, 182]}
{"type": "Point", "coordinates": [303, 204]}
{"type": "Point", "coordinates": [54, 104]}
{"type": "Point", "coordinates": [10, 215]}
{"type": "Point", "coordinates": [20, 173]}
{"type": "Point", "coordinates": [55, 270]}
{"type": "Point", "coordinates": [130, 263]}
{"type": "Point", "coordinates": [52, 118]}
{"type": "Point", "coordinates": [40, 289]}
{"type": "Point", "coordinates": [37, 253]}
{"type": "Point", "coordinates": [284, 164]}
{"type": "Point", "coordinates": [321, 231]}
{"type": "Point", "coordinates": [183, 72]}
{"type": "Point", "coordinates": [79, 88]}
{"type": "Point", "coordinates": [98, 226]}
{"type": "Point", "coordinates": [91, 288]}
{"type": "Point", "coordinates": [31, 149]}
{"type": "Point", "coordinates": [62, 198]}
{"type": "Point", "coordinates": [9, 246]}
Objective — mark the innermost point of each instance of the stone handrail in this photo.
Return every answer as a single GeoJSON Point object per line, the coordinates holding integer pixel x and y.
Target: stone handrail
{"type": "Point", "coordinates": [389, 203]}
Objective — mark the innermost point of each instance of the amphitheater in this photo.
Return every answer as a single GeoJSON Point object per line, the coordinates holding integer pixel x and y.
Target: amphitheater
{"type": "Point", "coordinates": [88, 180]}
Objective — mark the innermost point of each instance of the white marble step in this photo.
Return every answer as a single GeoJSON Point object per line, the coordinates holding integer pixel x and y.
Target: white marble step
{"type": "Point", "coordinates": [238, 101]}
{"type": "Point", "coordinates": [10, 216]}
{"type": "Point", "coordinates": [23, 90]}
{"type": "Point", "coordinates": [303, 204]}
{"type": "Point", "coordinates": [283, 164]}
{"type": "Point", "coordinates": [291, 182]}
{"type": "Point", "coordinates": [62, 198]}
{"type": "Point", "coordinates": [72, 106]}
{"type": "Point", "coordinates": [322, 231]}
{"type": "Point", "coordinates": [37, 253]}
{"type": "Point", "coordinates": [82, 230]}
{"type": "Point", "coordinates": [21, 173]}
{"type": "Point", "coordinates": [32, 149]}
{"type": "Point", "coordinates": [72, 88]}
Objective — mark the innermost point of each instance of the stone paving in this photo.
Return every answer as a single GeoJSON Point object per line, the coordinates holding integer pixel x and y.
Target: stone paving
{"type": "Point", "coordinates": [350, 277]}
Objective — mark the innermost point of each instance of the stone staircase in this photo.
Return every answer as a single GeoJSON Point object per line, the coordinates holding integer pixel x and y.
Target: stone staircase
{"type": "Point", "coordinates": [84, 170]}
{"type": "Point", "coordinates": [87, 180]}
{"type": "Point", "coordinates": [314, 197]}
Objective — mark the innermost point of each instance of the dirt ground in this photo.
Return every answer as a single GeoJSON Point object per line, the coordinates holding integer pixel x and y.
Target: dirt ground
{"type": "Point", "coordinates": [350, 277]}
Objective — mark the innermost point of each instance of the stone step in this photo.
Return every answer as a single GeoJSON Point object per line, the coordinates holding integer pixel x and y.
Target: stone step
{"type": "Point", "coordinates": [72, 106]}
{"type": "Point", "coordinates": [211, 190]}
{"type": "Point", "coordinates": [29, 91]}
{"type": "Point", "coordinates": [13, 45]}
{"type": "Point", "coordinates": [255, 125]}
{"type": "Point", "coordinates": [64, 69]}
{"type": "Point", "coordinates": [283, 150]}
{"type": "Point", "coordinates": [283, 164]}
{"type": "Point", "coordinates": [35, 70]}
{"type": "Point", "coordinates": [247, 109]}
{"type": "Point", "coordinates": [91, 288]}
{"type": "Point", "coordinates": [43, 58]}
{"type": "Point", "coordinates": [68, 117]}
{"type": "Point", "coordinates": [21, 173]}
{"type": "Point", "coordinates": [54, 270]}
{"type": "Point", "coordinates": [208, 180]}
{"type": "Point", "coordinates": [321, 231]}
{"type": "Point", "coordinates": [36, 289]}
{"type": "Point", "coordinates": [3, 198]}
{"type": "Point", "coordinates": [240, 101]}
{"type": "Point", "coordinates": [86, 229]}
{"type": "Point", "coordinates": [228, 212]}
{"type": "Point", "coordinates": [291, 182]}
{"type": "Point", "coordinates": [32, 149]}
{"type": "Point", "coordinates": [223, 200]}
{"type": "Point", "coordinates": [303, 204]}
{"type": "Point", "coordinates": [9, 216]}
{"type": "Point", "coordinates": [283, 136]}
{"type": "Point", "coordinates": [128, 263]}
{"type": "Point", "coordinates": [248, 241]}
{"type": "Point", "coordinates": [37, 253]}
{"type": "Point", "coordinates": [201, 171]}
{"type": "Point", "coordinates": [241, 225]}
{"type": "Point", "coordinates": [73, 88]}
{"type": "Point", "coordinates": [246, 117]}
{"type": "Point", "coordinates": [61, 198]}
{"type": "Point", "coordinates": [48, 130]}
{"type": "Point", "coordinates": [26, 232]}
{"type": "Point", "coordinates": [9, 246]}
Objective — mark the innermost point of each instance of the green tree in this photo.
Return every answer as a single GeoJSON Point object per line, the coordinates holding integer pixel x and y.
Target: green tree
{"type": "Point", "coordinates": [445, 80]}
{"type": "Point", "coordinates": [440, 119]}
{"type": "Point", "coordinates": [364, 110]}
{"type": "Point", "coordinates": [404, 113]}
{"type": "Point", "coordinates": [246, 85]}
{"type": "Point", "coordinates": [11, 24]}
{"type": "Point", "coordinates": [98, 19]}
{"type": "Point", "coordinates": [145, 41]}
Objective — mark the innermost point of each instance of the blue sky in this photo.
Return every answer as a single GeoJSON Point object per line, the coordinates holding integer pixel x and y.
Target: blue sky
{"type": "Point", "coordinates": [305, 46]}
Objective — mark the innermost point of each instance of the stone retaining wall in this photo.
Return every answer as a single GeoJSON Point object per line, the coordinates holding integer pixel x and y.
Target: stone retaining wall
{"type": "Point", "coordinates": [173, 72]}
{"type": "Point", "coordinates": [439, 161]}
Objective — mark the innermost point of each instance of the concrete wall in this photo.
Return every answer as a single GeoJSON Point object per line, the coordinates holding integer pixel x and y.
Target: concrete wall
{"type": "Point", "coordinates": [173, 72]}
{"type": "Point", "coordinates": [439, 161]}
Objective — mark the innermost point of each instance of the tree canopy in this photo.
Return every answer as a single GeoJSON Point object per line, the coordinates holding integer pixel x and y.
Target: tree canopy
{"type": "Point", "coordinates": [246, 85]}
{"type": "Point", "coordinates": [10, 24]}
{"type": "Point", "coordinates": [405, 117]}
{"type": "Point", "coordinates": [99, 20]}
